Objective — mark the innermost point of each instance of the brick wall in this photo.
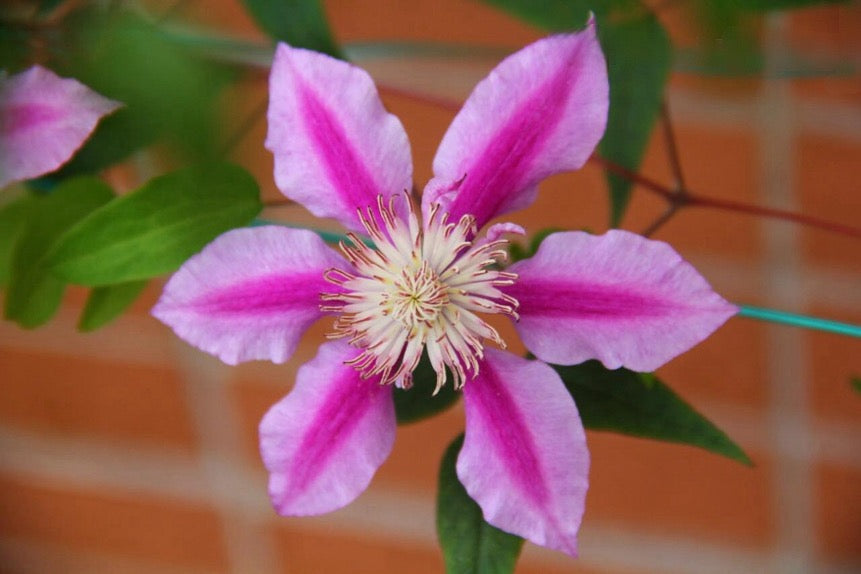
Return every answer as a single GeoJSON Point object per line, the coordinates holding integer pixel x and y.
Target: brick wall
{"type": "Point", "coordinates": [127, 451]}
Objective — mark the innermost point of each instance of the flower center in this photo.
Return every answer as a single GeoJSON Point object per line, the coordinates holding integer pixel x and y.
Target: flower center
{"type": "Point", "coordinates": [419, 289]}
{"type": "Point", "coordinates": [417, 297]}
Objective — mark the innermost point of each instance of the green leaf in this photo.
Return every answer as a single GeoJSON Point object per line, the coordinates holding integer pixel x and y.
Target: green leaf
{"type": "Point", "coordinates": [638, 55]}
{"type": "Point", "coordinates": [48, 6]}
{"type": "Point", "coordinates": [34, 294]}
{"type": "Point", "coordinates": [622, 401]}
{"type": "Point", "coordinates": [555, 15]}
{"type": "Point", "coordinates": [13, 220]}
{"type": "Point", "coordinates": [155, 229]}
{"type": "Point", "coordinates": [165, 91]}
{"type": "Point", "coordinates": [15, 47]}
{"type": "Point", "coordinates": [418, 402]}
{"type": "Point", "coordinates": [301, 23]}
{"type": "Point", "coordinates": [855, 383]}
{"type": "Point", "coordinates": [107, 303]}
{"type": "Point", "coordinates": [469, 544]}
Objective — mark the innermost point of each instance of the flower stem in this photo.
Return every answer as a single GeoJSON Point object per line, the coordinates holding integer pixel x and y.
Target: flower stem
{"type": "Point", "coordinates": [797, 320]}
{"type": "Point", "coordinates": [690, 199]}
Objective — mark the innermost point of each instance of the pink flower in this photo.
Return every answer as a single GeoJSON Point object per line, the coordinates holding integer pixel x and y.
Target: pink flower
{"type": "Point", "coordinates": [44, 119]}
{"type": "Point", "coordinates": [426, 285]}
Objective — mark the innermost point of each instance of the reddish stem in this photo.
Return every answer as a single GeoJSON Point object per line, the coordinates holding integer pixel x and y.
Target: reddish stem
{"type": "Point", "coordinates": [695, 200]}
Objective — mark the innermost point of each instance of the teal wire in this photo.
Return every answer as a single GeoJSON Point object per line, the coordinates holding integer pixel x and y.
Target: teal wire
{"type": "Point", "coordinates": [797, 320]}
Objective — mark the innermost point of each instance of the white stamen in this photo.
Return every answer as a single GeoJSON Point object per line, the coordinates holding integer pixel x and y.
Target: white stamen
{"type": "Point", "coordinates": [419, 287]}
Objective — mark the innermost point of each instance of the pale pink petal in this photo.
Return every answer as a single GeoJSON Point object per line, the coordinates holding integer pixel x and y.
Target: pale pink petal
{"type": "Point", "coordinates": [324, 441]}
{"type": "Point", "coordinates": [524, 458]}
{"type": "Point", "coordinates": [618, 297]}
{"type": "Point", "coordinates": [496, 231]}
{"type": "Point", "coordinates": [250, 294]}
{"type": "Point", "coordinates": [44, 119]}
{"type": "Point", "coordinates": [539, 112]}
{"type": "Point", "coordinates": [335, 146]}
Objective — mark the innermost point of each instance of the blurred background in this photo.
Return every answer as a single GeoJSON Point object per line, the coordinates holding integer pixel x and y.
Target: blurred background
{"type": "Point", "coordinates": [125, 450]}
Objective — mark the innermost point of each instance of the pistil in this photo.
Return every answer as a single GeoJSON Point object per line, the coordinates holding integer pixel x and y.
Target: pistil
{"type": "Point", "coordinates": [418, 288]}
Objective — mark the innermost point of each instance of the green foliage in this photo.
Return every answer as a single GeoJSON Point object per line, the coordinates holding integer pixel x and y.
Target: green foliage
{"type": "Point", "coordinates": [300, 23]}
{"type": "Point", "coordinates": [13, 219]}
{"type": "Point", "coordinates": [14, 47]}
{"type": "Point", "coordinates": [625, 402]}
{"type": "Point", "coordinates": [107, 303]}
{"type": "Point", "coordinates": [639, 54]}
{"type": "Point", "coordinates": [855, 383]}
{"type": "Point", "coordinates": [165, 91]}
{"type": "Point", "coordinates": [469, 544]}
{"type": "Point", "coordinates": [418, 402]}
{"type": "Point", "coordinates": [34, 294]}
{"type": "Point", "coordinates": [557, 15]}
{"type": "Point", "coordinates": [48, 6]}
{"type": "Point", "coordinates": [155, 229]}
{"type": "Point", "coordinates": [730, 39]}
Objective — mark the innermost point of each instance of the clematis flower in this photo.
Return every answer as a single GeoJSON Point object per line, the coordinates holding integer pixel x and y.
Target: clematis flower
{"type": "Point", "coordinates": [428, 282]}
{"type": "Point", "coordinates": [44, 119]}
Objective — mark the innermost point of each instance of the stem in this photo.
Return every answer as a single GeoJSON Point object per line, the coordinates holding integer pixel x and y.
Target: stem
{"type": "Point", "coordinates": [672, 148]}
{"type": "Point", "coordinates": [700, 201]}
{"type": "Point", "coordinates": [796, 320]}
{"type": "Point", "coordinates": [245, 127]}
{"type": "Point", "coordinates": [690, 199]}
{"type": "Point", "coordinates": [635, 177]}
{"type": "Point", "coordinates": [661, 220]}
{"type": "Point", "coordinates": [278, 202]}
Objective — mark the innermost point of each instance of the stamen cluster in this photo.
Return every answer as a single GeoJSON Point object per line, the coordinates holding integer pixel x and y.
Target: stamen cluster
{"type": "Point", "coordinates": [418, 287]}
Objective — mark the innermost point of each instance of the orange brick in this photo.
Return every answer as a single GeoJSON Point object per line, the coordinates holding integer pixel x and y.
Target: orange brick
{"type": "Point", "coordinates": [838, 513]}
{"type": "Point", "coordinates": [112, 401]}
{"type": "Point", "coordinates": [832, 34]}
{"type": "Point", "coordinates": [354, 20]}
{"type": "Point", "coordinates": [834, 360]}
{"type": "Point", "coordinates": [158, 530]}
{"type": "Point", "coordinates": [414, 462]}
{"type": "Point", "coordinates": [729, 367]}
{"type": "Point", "coordinates": [76, 297]}
{"type": "Point", "coordinates": [331, 551]}
{"type": "Point", "coordinates": [252, 400]}
{"type": "Point", "coordinates": [315, 548]}
{"type": "Point", "coordinates": [827, 175]}
{"type": "Point", "coordinates": [577, 201]}
{"type": "Point", "coordinates": [679, 490]}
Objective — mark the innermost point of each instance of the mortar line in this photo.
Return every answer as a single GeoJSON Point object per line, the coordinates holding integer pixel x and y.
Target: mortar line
{"type": "Point", "coordinates": [792, 493]}
{"type": "Point", "coordinates": [250, 545]}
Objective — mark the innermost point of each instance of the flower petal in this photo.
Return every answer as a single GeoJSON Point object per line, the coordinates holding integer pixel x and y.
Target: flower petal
{"type": "Point", "coordinates": [335, 146]}
{"type": "Point", "coordinates": [541, 111]}
{"type": "Point", "coordinates": [250, 294]}
{"type": "Point", "coordinates": [524, 459]}
{"type": "Point", "coordinates": [44, 119]}
{"type": "Point", "coordinates": [619, 298]}
{"type": "Point", "coordinates": [323, 442]}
